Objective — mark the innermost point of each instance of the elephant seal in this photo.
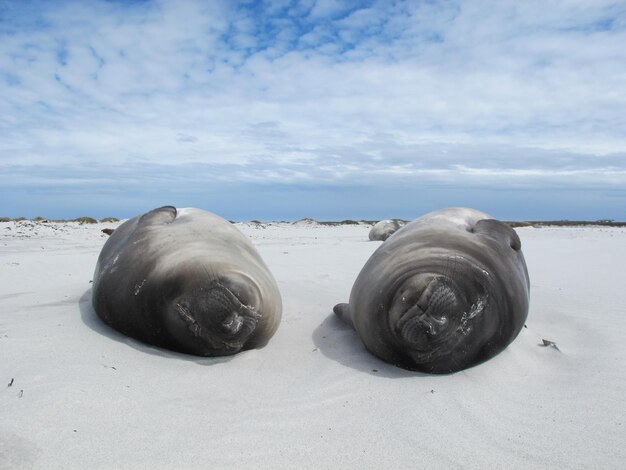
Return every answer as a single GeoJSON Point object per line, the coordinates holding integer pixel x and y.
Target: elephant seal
{"type": "Point", "coordinates": [186, 280]}
{"type": "Point", "coordinates": [384, 229]}
{"type": "Point", "coordinates": [446, 292]}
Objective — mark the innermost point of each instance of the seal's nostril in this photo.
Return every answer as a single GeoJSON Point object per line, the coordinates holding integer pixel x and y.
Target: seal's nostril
{"type": "Point", "coordinates": [434, 325]}
{"type": "Point", "coordinates": [232, 323]}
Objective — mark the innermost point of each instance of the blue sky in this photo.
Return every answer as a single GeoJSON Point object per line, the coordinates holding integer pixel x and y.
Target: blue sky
{"type": "Point", "coordinates": [280, 110]}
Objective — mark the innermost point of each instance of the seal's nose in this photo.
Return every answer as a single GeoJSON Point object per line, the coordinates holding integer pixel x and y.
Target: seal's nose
{"type": "Point", "coordinates": [441, 302]}
{"type": "Point", "coordinates": [232, 323]}
{"type": "Point", "coordinates": [430, 314]}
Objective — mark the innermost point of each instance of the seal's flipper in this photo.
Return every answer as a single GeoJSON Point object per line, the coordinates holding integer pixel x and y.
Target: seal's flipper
{"type": "Point", "coordinates": [343, 312]}
{"type": "Point", "coordinates": [160, 216]}
{"type": "Point", "coordinates": [500, 231]}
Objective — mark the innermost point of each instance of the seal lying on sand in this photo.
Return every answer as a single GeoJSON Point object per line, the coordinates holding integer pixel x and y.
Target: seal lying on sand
{"type": "Point", "coordinates": [186, 280]}
{"type": "Point", "coordinates": [384, 229]}
{"type": "Point", "coordinates": [446, 292]}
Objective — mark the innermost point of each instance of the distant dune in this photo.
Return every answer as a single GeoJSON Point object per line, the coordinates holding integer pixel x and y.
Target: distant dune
{"type": "Point", "coordinates": [309, 222]}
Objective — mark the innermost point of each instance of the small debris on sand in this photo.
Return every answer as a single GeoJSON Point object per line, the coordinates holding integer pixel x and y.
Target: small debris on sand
{"type": "Point", "coordinates": [547, 343]}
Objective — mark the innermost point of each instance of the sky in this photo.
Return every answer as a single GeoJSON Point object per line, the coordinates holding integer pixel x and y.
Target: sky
{"type": "Point", "coordinates": [280, 110]}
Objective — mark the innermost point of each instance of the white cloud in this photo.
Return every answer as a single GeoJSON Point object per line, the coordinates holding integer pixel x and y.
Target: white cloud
{"type": "Point", "coordinates": [318, 92]}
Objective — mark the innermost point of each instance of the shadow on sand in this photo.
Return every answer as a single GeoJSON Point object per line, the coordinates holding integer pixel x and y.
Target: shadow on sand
{"type": "Point", "coordinates": [339, 342]}
{"type": "Point", "coordinates": [91, 320]}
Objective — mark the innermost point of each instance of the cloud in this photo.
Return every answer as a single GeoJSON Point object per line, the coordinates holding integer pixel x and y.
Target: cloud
{"type": "Point", "coordinates": [315, 93]}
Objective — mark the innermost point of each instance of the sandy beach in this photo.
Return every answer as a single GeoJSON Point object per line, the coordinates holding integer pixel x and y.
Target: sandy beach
{"type": "Point", "coordinates": [76, 394]}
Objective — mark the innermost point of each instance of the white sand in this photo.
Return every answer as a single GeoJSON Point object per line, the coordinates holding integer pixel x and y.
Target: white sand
{"type": "Point", "coordinates": [83, 396]}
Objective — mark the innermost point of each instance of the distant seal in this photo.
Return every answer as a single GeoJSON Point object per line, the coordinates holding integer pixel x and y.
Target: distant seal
{"type": "Point", "coordinates": [384, 229]}
{"type": "Point", "coordinates": [186, 280]}
{"type": "Point", "coordinates": [446, 292]}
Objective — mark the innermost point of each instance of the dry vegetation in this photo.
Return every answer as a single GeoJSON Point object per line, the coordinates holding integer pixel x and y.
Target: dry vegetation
{"type": "Point", "coordinates": [80, 220]}
{"type": "Point", "coordinates": [515, 224]}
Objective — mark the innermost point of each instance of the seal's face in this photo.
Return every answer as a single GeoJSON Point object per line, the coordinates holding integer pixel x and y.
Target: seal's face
{"type": "Point", "coordinates": [219, 316]}
{"type": "Point", "coordinates": [432, 316]}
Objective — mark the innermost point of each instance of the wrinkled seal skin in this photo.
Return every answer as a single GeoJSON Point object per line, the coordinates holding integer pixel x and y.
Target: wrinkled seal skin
{"type": "Point", "coordinates": [445, 292]}
{"type": "Point", "coordinates": [384, 229]}
{"type": "Point", "coordinates": [186, 280]}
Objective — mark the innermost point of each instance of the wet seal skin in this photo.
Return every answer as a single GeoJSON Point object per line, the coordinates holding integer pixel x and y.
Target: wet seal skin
{"type": "Point", "coordinates": [446, 292]}
{"type": "Point", "coordinates": [186, 280]}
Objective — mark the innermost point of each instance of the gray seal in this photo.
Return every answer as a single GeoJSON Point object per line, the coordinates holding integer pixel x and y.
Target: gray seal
{"type": "Point", "coordinates": [186, 280]}
{"type": "Point", "coordinates": [384, 229]}
{"type": "Point", "coordinates": [446, 292]}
